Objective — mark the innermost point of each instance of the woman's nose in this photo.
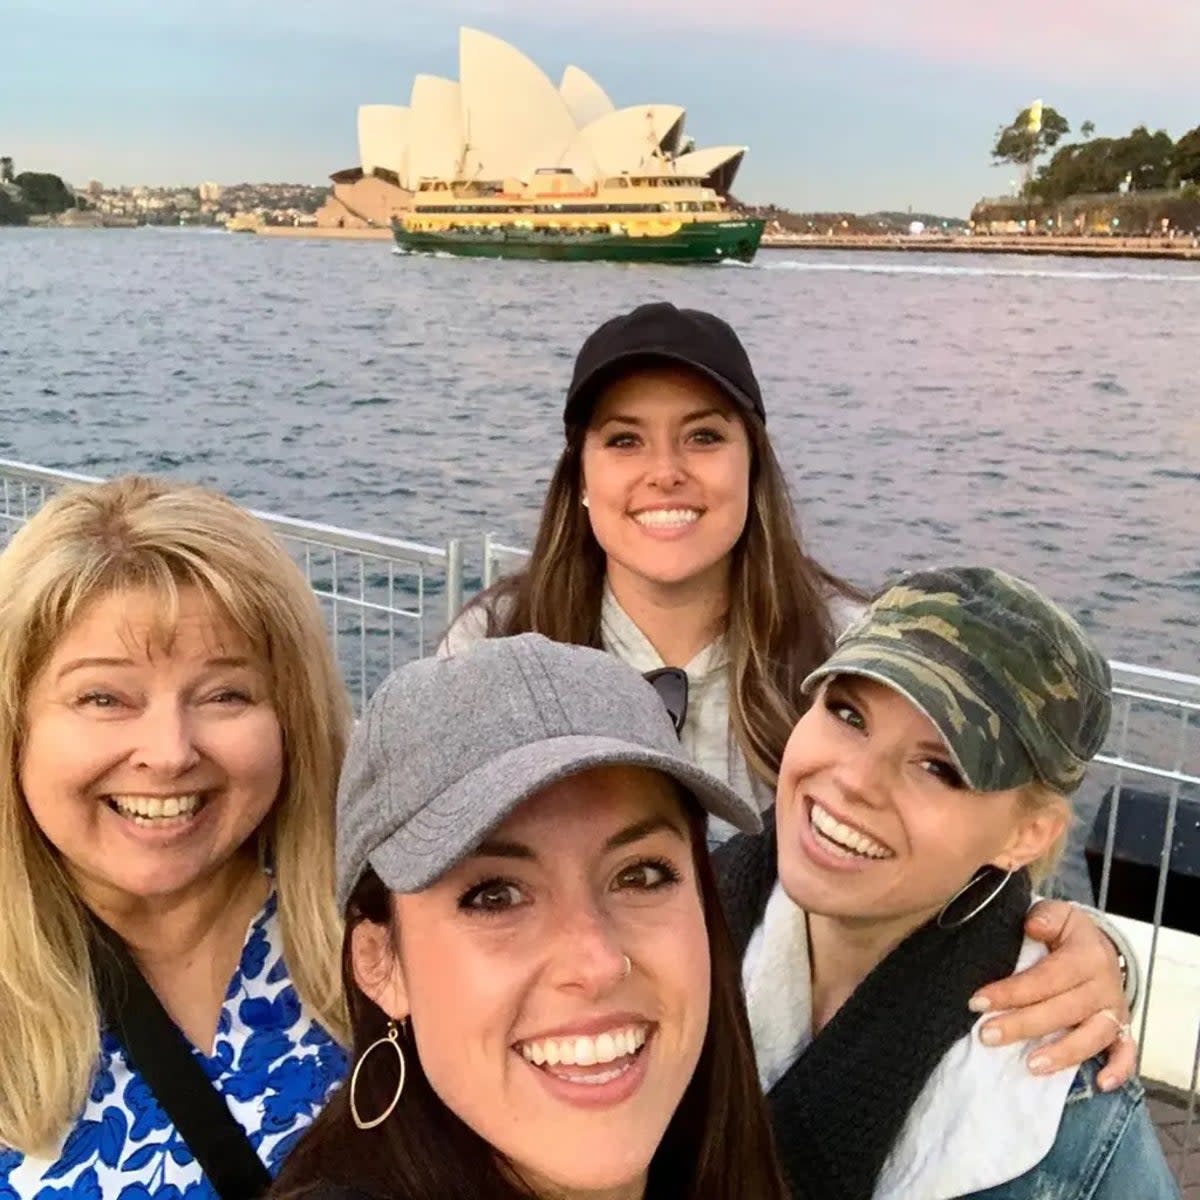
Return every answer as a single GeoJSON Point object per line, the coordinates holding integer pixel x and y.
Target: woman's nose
{"type": "Point", "coordinates": [166, 742]}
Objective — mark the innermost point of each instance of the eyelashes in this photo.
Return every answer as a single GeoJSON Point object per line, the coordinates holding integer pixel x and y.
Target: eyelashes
{"type": "Point", "coordinates": [498, 895]}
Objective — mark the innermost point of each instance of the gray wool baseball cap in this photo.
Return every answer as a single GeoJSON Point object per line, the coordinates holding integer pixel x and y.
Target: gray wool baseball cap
{"type": "Point", "coordinates": [448, 747]}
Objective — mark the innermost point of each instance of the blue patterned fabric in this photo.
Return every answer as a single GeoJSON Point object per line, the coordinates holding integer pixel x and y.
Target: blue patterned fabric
{"type": "Point", "coordinates": [274, 1064]}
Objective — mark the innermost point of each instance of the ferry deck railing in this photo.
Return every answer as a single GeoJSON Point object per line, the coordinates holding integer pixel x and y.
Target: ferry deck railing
{"type": "Point", "coordinates": [387, 600]}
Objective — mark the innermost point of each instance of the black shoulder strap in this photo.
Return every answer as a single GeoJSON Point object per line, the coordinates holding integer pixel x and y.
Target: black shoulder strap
{"type": "Point", "coordinates": [158, 1051]}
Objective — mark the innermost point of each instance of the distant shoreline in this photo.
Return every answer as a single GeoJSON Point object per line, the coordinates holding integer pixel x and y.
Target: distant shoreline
{"type": "Point", "coordinates": [1179, 249]}
{"type": "Point", "coordinates": [1071, 247]}
{"type": "Point", "coordinates": [1078, 247]}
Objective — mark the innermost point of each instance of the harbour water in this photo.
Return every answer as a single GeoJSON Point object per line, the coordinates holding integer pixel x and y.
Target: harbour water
{"type": "Point", "coordinates": [1037, 414]}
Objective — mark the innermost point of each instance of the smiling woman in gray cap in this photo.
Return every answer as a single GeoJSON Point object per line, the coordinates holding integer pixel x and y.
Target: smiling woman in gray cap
{"type": "Point", "coordinates": [544, 994]}
{"type": "Point", "coordinates": [668, 538]}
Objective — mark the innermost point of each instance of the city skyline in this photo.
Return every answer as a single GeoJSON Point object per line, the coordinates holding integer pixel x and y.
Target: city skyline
{"type": "Point", "coordinates": [898, 109]}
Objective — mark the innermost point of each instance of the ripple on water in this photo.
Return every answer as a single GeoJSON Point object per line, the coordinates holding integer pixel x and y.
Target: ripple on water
{"type": "Point", "coordinates": [917, 408]}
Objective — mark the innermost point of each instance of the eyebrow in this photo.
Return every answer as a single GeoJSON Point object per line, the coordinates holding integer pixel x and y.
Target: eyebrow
{"type": "Point", "coordinates": [80, 664]}
{"type": "Point", "coordinates": [700, 414]}
{"type": "Point", "coordinates": [499, 848]}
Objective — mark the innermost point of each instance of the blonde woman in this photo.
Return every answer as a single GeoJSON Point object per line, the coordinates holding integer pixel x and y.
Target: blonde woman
{"type": "Point", "coordinates": [921, 796]}
{"type": "Point", "coordinates": [171, 728]}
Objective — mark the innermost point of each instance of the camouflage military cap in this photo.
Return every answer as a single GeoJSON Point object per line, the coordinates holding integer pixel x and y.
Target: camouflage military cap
{"type": "Point", "coordinates": [1016, 688]}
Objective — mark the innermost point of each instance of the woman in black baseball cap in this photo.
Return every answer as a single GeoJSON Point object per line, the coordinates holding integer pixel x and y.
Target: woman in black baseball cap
{"type": "Point", "coordinates": [668, 538]}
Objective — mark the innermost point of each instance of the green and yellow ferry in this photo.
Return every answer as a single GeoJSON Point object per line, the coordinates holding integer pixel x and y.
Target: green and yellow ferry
{"type": "Point", "coordinates": [655, 217]}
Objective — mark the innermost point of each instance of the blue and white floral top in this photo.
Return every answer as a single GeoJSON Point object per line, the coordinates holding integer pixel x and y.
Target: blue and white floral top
{"type": "Point", "coordinates": [272, 1061]}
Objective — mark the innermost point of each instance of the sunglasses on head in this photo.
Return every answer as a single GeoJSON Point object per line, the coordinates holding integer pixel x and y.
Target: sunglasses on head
{"type": "Point", "coordinates": [671, 684]}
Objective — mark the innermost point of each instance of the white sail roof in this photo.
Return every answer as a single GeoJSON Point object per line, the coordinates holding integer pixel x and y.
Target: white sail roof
{"type": "Point", "coordinates": [505, 120]}
{"type": "Point", "coordinates": [585, 98]}
{"type": "Point", "coordinates": [625, 140]}
{"type": "Point", "coordinates": [720, 161]}
{"type": "Point", "coordinates": [510, 109]}
{"type": "Point", "coordinates": [383, 131]}
{"type": "Point", "coordinates": [435, 129]}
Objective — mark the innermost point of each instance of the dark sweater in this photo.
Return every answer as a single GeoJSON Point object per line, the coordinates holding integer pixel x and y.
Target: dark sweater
{"type": "Point", "coordinates": [838, 1108]}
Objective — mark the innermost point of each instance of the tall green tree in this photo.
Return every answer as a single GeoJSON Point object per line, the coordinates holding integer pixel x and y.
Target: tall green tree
{"type": "Point", "coordinates": [44, 193]}
{"type": "Point", "coordinates": [1187, 157]}
{"type": "Point", "coordinates": [1020, 145]}
{"type": "Point", "coordinates": [1145, 158]}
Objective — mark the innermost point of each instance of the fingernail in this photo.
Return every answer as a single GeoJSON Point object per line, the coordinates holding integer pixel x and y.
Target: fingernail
{"type": "Point", "coordinates": [1039, 1063]}
{"type": "Point", "coordinates": [979, 1004]}
{"type": "Point", "coordinates": [990, 1036]}
{"type": "Point", "coordinates": [1039, 922]}
{"type": "Point", "coordinates": [1105, 1083]}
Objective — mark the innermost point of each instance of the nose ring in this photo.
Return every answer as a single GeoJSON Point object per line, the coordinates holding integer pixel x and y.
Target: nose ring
{"type": "Point", "coordinates": [628, 966]}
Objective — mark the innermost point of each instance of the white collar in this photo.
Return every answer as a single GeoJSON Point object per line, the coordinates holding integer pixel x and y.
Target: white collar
{"type": "Point", "coordinates": [621, 637]}
{"type": "Point", "coordinates": [982, 1118]}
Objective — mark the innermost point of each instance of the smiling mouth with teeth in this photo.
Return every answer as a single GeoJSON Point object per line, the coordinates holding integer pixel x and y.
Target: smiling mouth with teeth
{"type": "Point", "coordinates": [157, 812]}
{"type": "Point", "coordinates": [842, 840]}
{"type": "Point", "coordinates": [666, 518]}
{"type": "Point", "coordinates": [587, 1060]}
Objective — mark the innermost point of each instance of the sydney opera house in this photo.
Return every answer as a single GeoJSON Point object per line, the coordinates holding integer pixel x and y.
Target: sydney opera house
{"type": "Point", "coordinates": [502, 122]}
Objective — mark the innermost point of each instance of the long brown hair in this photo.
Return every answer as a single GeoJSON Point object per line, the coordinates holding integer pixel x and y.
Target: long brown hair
{"type": "Point", "coordinates": [718, 1145]}
{"type": "Point", "coordinates": [779, 626]}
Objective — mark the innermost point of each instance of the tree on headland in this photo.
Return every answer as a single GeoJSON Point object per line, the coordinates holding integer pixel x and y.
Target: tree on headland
{"type": "Point", "coordinates": [1087, 129]}
{"type": "Point", "coordinates": [45, 193]}
{"type": "Point", "coordinates": [1027, 138]}
{"type": "Point", "coordinates": [6, 169]}
{"type": "Point", "coordinates": [1187, 157]}
{"type": "Point", "coordinates": [1142, 161]}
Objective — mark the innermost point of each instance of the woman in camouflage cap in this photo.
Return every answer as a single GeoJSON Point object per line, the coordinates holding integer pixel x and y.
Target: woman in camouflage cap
{"type": "Point", "coordinates": [920, 798]}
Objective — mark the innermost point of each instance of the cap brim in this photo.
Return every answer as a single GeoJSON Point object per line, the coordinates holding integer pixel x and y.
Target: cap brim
{"type": "Point", "coordinates": [877, 661]}
{"type": "Point", "coordinates": [582, 395]}
{"type": "Point", "coordinates": [457, 821]}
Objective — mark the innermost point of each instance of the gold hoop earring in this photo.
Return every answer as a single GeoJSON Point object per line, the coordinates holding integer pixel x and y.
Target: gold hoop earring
{"type": "Point", "coordinates": [391, 1039]}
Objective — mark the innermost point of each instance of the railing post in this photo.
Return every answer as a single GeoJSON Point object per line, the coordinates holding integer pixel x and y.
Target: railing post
{"type": "Point", "coordinates": [488, 567]}
{"type": "Point", "coordinates": [454, 579]}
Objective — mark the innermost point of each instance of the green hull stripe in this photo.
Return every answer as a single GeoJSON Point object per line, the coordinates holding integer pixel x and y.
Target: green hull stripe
{"type": "Point", "coordinates": [736, 240]}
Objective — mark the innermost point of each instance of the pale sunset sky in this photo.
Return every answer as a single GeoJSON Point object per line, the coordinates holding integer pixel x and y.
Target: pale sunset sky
{"type": "Point", "coordinates": [859, 105]}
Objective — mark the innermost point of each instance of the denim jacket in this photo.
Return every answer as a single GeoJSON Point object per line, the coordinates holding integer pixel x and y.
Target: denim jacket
{"type": "Point", "coordinates": [984, 1127]}
{"type": "Point", "coordinates": [1106, 1149]}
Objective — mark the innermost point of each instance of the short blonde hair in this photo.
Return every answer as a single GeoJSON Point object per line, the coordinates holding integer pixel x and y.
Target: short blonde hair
{"type": "Point", "coordinates": [87, 542]}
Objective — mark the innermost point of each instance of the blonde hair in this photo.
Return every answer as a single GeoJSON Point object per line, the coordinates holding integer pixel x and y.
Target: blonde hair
{"type": "Point", "coordinates": [1037, 797]}
{"type": "Point", "coordinates": [91, 541]}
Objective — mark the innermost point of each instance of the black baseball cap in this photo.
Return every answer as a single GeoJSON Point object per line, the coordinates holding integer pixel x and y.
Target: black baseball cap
{"type": "Point", "coordinates": [662, 333]}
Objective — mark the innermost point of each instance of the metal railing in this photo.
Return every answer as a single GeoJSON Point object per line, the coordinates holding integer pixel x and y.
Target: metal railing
{"type": "Point", "coordinates": [386, 599]}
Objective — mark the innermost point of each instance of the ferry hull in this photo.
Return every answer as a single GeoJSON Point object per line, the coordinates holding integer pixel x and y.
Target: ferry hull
{"type": "Point", "coordinates": [698, 242]}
